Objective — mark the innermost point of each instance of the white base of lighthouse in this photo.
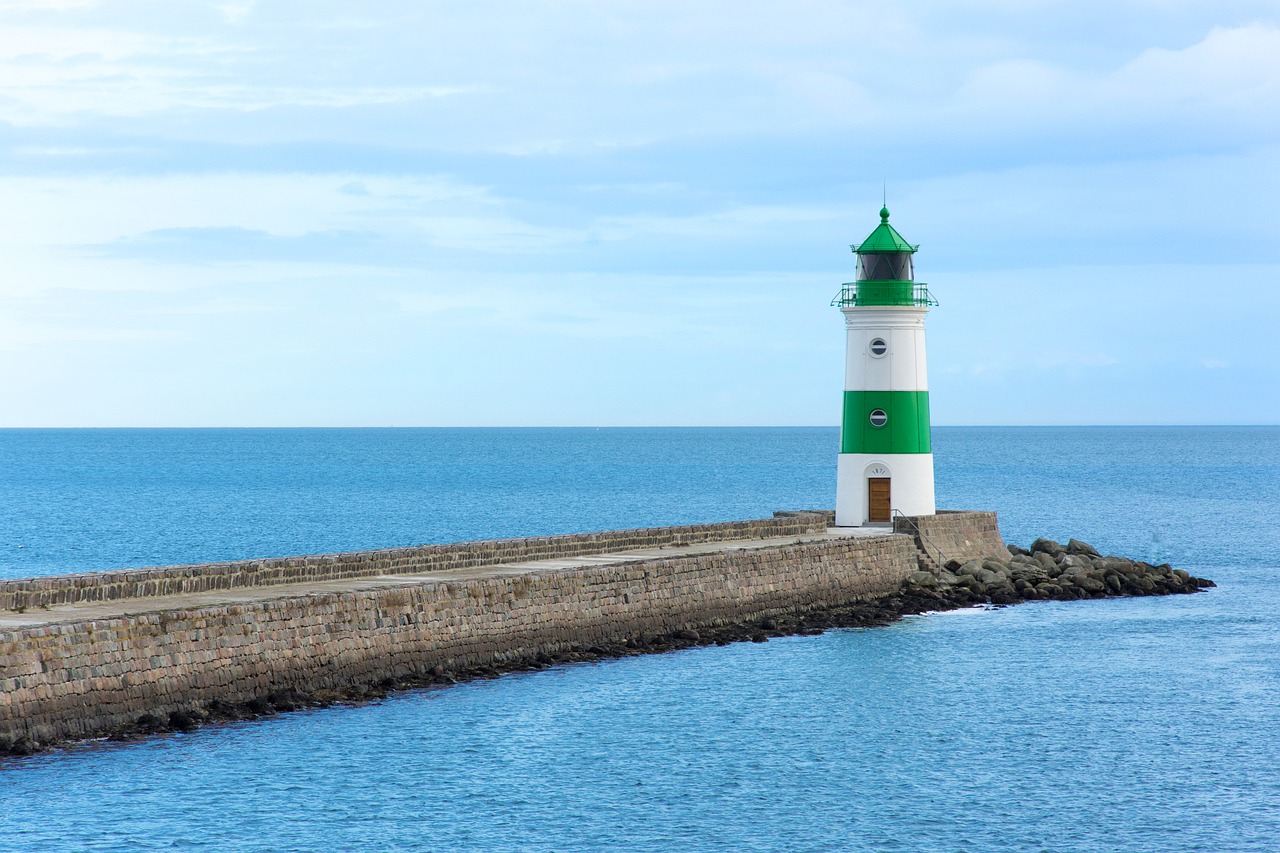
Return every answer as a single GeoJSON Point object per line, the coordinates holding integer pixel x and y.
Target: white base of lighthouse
{"type": "Point", "coordinates": [863, 496]}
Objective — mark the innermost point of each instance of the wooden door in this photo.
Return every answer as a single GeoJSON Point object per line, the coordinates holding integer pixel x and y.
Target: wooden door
{"type": "Point", "coordinates": [878, 499]}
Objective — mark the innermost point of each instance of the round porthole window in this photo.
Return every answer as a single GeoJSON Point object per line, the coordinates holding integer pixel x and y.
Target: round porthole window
{"type": "Point", "coordinates": [878, 347]}
{"type": "Point", "coordinates": [879, 418]}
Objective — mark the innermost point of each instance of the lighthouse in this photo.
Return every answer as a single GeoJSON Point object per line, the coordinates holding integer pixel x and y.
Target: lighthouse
{"type": "Point", "coordinates": [886, 461]}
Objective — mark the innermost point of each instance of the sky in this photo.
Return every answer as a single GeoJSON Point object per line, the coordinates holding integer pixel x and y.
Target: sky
{"type": "Point", "coordinates": [613, 213]}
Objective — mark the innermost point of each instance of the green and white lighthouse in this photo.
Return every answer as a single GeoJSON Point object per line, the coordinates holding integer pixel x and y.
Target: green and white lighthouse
{"type": "Point", "coordinates": [886, 461]}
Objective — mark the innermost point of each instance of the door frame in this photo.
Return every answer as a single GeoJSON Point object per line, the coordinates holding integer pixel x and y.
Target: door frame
{"type": "Point", "coordinates": [888, 483]}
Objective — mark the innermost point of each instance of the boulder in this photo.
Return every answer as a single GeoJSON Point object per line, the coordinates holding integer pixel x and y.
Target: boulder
{"type": "Point", "coordinates": [1031, 576]}
{"type": "Point", "coordinates": [999, 568]}
{"type": "Point", "coordinates": [1017, 551]}
{"type": "Point", "coordinates": [22, 745]}
{"type": "Point", "coordinates": [1046, 560]}
{"type": "Point", "coordinates": [1005, 595]}
{"type": "Point", "coordinates": [1089, 584]}
{"type": "Point", "coordinates": [984, 576]}
{"type": "Point", "coordinates": [1047, 546]}
{"type": "Point", "coordinates": [924, 579]}
{"type": "Point", "coordinates": [149, 723]}
{"type": "Point", "coordinates": [1075, 546]}
{"type": "Point", "coordinates": [181, 721]}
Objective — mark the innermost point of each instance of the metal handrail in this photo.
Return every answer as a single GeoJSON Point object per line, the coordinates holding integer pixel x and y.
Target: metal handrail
{"type": "Point", "coordinates": [942, 563]}
{"type": "Point", "coordinates": [848, 295]}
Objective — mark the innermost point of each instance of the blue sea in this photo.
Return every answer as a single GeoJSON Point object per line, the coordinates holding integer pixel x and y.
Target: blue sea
{"type": "Point", "coordinates": [1146, 724]}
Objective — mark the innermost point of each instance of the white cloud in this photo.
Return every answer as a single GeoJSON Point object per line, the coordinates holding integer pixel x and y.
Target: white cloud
{"type": "Point", "coordinates": [1232, 74]}
{"type": "Point", "coordinates": [8, 6]}
{"type": "Point", "coordinates": [1236, 66]}
{"type": "Point", "coordinates": [73, 211]}
{"type": "Point", "coordinates": [64, 47]}
{"type": "Point", "coordinates": [34, 95]}
{"type": "Point", "coordinates": [67, 74]}
{"type": "Point", "coordinates": [736, 221]}
{"type": "Point", "coordinates": [235, 13]}
{"type": "Point", "coordinates": [562, 78]}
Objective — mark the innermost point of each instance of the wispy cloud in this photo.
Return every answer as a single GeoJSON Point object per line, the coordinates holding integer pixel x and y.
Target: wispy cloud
{"type": "Point", "coordinates": [646, 196]}
{"type": "Point", "coordinates": [234, 13]}
{"type": "Point", "coordinates": [234, 245]}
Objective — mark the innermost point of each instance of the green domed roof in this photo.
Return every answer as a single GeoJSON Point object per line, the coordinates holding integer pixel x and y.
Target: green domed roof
{"type": "Point", "coordinates": [884, 239]}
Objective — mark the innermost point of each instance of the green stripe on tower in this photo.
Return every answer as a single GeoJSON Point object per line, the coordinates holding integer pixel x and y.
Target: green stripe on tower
{"type": "Point", "coordinates": [907, 428]}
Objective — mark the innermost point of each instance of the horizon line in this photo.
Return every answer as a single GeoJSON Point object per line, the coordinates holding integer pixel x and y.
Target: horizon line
{"type": "Point", "coordinates": [629, 426]}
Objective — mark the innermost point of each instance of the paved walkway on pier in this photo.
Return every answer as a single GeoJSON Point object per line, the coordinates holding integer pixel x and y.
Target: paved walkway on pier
{"type": "Point", "coordinates": [151, 604]}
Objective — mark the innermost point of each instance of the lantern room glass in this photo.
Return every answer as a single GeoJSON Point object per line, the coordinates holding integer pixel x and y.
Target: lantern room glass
{"type": "Point", "coordinates": [885, 266]}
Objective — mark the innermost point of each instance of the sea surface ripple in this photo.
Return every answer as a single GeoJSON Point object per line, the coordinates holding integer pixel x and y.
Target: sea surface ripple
{"type": "Point", "coordinates": [1146, 724]}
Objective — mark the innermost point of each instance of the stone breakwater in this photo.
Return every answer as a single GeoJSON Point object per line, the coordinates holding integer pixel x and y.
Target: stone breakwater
{"type": "Point", "coordinates": [132, 666]}
{"type": "Point", "coordinates": [51, 591]}
{"type": "Point", "coordinates": [111, 668]}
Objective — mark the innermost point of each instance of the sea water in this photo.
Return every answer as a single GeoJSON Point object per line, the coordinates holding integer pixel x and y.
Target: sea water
{"type": "Point", "coordinates": [1147, 724]}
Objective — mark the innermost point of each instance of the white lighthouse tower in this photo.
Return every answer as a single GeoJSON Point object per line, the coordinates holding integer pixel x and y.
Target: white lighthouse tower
{"type": "Point", "coordinates": [886, 460]}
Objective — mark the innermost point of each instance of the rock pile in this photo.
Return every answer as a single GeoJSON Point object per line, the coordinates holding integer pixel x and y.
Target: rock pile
{"type": "Point", "coordinates": [1050, 571]}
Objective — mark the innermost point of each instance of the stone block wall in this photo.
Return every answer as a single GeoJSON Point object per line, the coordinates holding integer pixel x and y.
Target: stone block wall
{"type": "Point", "coordinates": [175, 580]}
{"type": "Point", "coordinates": [955, 535]}
{"type": "Point", "coordinates": [67, 681]}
